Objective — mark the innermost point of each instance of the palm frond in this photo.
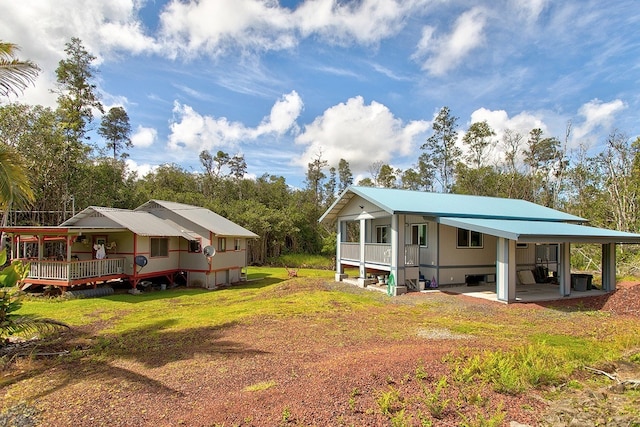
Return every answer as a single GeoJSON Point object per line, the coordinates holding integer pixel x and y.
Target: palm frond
{"type": "Point", "coordinates": [15, 74]}
{"type": "Point", "coordinates": [30, 324]}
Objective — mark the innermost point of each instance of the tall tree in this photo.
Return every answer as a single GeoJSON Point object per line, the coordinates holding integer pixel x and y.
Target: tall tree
{"type": "Point", "coordinates": [315, 178]}
{"type": "Point", "coordinates": [344, 175]}
{"type": "Point", "coordinates": [619, 167]}
{"type": "Point", "coordinates": [478, 140]}
{"type": "Point", "coordinates": [116, 129]}
{"type": "Point", "coordinates": [441, 151]}
{"type": "Point", "coordinates": [330, 187]}
{"type": "Point", "coordinates": [388, 177]}
{"type": "Point", "coordinates": [77, 98]}
{"type": "Point", "coordinates": [77, 94]}
{"type": "Point", "coordinates": [15, 74]}
{"type": "Point", "coordinates": [545, 160]}
{"type": "Point", "coordinates": [237, 166]}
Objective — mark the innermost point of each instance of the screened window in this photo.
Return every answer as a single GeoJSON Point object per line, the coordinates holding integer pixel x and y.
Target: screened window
{"type": "Point", "coordinates": [222, 244]}
{"type": "Point", "coordinates": [469, 239]}
{"type": "Point", "coordinates": [236, 245]}
{"type": "Point", "coordinates": [419, 234]}
{"type": "Point", "coordinates": [382, 234]}
{"type": "Point", "coordinates": [159, 247]}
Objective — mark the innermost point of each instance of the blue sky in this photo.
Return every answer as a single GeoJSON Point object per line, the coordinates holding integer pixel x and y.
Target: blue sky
{"type": "Point", "coordinates": [283, 82]}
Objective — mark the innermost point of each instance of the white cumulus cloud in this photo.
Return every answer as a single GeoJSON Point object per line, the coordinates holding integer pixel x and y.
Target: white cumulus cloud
{"type": "Point", "coordinates": [144, 137]}
{"type": "Point", "coordinates": [194, 132]}
{"type": "Point", "coordinates": [359, 133]}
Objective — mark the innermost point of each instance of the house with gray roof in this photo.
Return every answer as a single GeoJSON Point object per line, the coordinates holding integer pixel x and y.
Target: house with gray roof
{"type": "Point", "coordinates": [158, 241]}
{"type": "Point", "coordinates": [419, 240]}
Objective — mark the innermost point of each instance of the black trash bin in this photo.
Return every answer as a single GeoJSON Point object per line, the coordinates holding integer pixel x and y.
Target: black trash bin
{"type": "Point", "coordinates": [581, 282]}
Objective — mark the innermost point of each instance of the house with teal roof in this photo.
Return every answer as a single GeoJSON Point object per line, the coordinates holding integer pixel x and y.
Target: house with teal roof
{"type": "Point", "coordinates": [417, 240]}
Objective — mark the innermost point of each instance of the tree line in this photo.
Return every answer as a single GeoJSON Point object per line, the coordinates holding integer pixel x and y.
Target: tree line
{"type": "Point", "coordinates": [68, 170]}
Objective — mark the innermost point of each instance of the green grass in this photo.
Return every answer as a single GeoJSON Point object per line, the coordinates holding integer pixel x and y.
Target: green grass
{"type": "Point", "coordinates": [267, 293]}
{"type": "Point", "coordinates": [303, 261]}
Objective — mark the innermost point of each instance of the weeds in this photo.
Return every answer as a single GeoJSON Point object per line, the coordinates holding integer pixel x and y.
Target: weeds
{"type": "Point", "coordinates": [389, 401]}
{"type": "Point", "coordinates": [512, 372]}
{"type": "Point", "coordinates": [352, 398]}
{"type": "Point", "coordinates": [434, 400]}
{"type": "Point", "coordinates": [264, 385]}
{"type": "Point", "coordinates": [480, 420]}
{"type": "Point", "coordinates": [400, 419]}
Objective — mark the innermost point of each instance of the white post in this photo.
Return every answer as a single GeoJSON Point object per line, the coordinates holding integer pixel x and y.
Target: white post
{"type": "Point", "coordinates": [609, 267]}
{"type": "Point", "coordinates": [564, 269]}
{"type": "Point", "coordinates": [506, 270]}
{"type": "Point", "coordinates": [363, 270]}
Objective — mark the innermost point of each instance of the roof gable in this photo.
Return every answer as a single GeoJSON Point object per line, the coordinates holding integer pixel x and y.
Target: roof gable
{"type": "Point", "coordinates": [141, 223]}
{"type": "Point", "coordinates": [396, 201]}
{"type": "Point", "coordinates": [200, 216]}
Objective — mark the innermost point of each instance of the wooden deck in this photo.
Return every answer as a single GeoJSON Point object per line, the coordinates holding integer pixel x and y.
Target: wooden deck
{"type": "Point", "coordinates": [66, 274]}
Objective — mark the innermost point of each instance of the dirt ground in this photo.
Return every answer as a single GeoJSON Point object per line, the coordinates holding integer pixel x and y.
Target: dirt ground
{"type": "Point", "coordinates": [301, 371]}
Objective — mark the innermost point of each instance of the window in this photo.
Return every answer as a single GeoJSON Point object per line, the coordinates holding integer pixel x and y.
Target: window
{"type": "Point", "coordinates": [236, 245]}
{"type": "Point", "coordinates": [382, 234]}
{"type": "Point", "coordinates": [194, 246]}
{"type": "Point", "coordinates": [222, 244]}
{"type": "Point", "coordinates": [159, 247]}
{"type": "Point", "coordinates": [419, 234]}
{"type": "Point", "coordinates": [469, 239]}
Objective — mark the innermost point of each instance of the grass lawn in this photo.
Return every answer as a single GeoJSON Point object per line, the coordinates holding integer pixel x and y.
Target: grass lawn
{"type": "Point", "coordinates": [275, 339]}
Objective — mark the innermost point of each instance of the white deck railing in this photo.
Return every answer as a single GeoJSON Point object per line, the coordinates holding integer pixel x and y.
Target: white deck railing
{"type": "Point", "coordinates": [378, 253]}
{"type": "Point", "coordinates": [75, 270]}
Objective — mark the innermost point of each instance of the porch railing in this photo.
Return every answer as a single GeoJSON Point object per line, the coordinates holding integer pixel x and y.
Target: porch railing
{"type": "Point", "coordinates": [378, 253]}
{"type": "Point", "coordinates": [75, 270]}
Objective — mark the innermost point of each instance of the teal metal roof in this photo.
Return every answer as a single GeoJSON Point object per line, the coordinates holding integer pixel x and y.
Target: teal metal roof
{"type": "Point", "coordinates": [542, 231]}
{"type": "Point", "coordinates": [449, 205]}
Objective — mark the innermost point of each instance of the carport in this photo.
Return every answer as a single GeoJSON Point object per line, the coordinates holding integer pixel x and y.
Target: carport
{"type": "Point", "coordinates": [511, 232]}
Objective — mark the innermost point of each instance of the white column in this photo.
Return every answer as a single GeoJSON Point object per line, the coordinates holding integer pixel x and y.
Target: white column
{"type": "Point", "coordinates": [506, 270]}
{"type": "Point", "coordinates": [564, 269]}
{"type": "Point", "coordinates": [609, 267]}
{"type": "Point", "coordinates": [340, 225]}
{"type": "Point", "coordinates": [363, 270]}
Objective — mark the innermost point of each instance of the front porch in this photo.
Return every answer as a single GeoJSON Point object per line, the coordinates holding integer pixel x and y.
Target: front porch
{"type": "Point", "coordinates": [376, 254]}
{"type": "Point", "coordinates": [73, 273]}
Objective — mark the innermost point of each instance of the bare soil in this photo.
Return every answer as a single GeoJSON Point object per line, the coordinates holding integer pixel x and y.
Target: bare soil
{"type": "Point", "coordinates": [340, 369]}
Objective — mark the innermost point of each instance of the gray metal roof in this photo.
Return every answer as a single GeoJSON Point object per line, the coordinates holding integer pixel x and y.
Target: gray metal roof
{"type": "Point", "coordinates": [201, 216]}
{"type": "Point", "coordinates": [140, 222]}
{"type": "Point", "coordinates": [542, 231]}
{"type": "Point", "coordinates": [396, 201]}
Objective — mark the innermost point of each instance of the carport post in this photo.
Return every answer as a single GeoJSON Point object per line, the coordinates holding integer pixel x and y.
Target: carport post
{"type": "Point", "coordinates": [564, 269]}
{"type": "Point", "coordinates": [506, 270]}
{"type": "Point", "coordinates": [609, 267]}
